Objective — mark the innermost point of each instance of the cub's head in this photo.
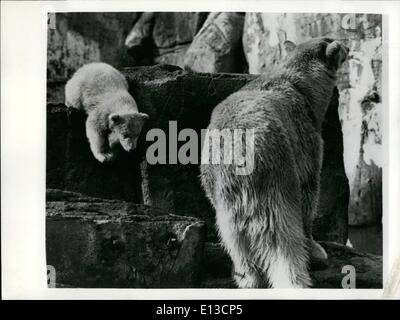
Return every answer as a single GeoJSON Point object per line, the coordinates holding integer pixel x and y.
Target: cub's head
{"type": "Point", "coordinates": [126, 128]}
{"type": "Point", "coordinates": [331, 53]}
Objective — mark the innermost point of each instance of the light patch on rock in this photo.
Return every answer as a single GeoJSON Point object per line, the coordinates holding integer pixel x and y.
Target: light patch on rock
{"type": "Point", "coordinates": [361, 78]}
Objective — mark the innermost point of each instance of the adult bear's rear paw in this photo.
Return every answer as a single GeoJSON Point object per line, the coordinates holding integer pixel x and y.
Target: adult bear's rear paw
{"type": "Point", "coordinates": [316, 251]}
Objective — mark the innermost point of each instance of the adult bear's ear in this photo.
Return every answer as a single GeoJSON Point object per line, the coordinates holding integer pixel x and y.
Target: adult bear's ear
{"type": "Point", "coordinates": [336, 53]}
{"type": "Point", "coordinates": [289, 46]}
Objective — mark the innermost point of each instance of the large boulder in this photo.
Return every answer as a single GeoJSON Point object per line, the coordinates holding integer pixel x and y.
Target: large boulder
{"type": "Point", "coordinates": [217, 46]}
{"type": "Point", "coordinates": [97, 243]}
{"type": "Point", "coordinates": [164, 37]}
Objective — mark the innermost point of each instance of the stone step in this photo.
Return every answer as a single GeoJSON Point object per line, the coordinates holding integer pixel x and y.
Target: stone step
{"type": "Point", "coordinates": [107, 244]}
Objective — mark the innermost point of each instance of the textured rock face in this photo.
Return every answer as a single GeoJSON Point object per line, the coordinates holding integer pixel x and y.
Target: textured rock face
{"type": "Point", "coordinates": [165, 36]}
{"type": "Point", "coordinates": [330, 273]}
{"type": "Point", "coordinates": [79, 38]}
{"type": "Point", "coordinates": [217, 46]}
{"type": "Point", "coordinates": [366, 197]}
{"type": "Point", "coordinates": [330, 223]}
{"type": "Point", "coordinates": [94, 243]}
{"type": "Point", "coordinates": [176, 28]}
{"type": "Point", "coordinates": [359, 87]}
{"type": "Point", "coordinates": [70, 164]}
{"type": "Point", "coordinates": [195, 40]}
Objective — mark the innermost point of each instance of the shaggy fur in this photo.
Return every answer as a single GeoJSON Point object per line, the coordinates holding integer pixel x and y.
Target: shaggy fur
{"type": "Point", "coordinates": [264, 218]}
{"type": "Point", "coordinates": [113, 116]}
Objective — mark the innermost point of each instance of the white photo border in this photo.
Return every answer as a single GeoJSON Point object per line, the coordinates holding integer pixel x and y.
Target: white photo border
{"type": "Point", "coordinates": [23, 145]}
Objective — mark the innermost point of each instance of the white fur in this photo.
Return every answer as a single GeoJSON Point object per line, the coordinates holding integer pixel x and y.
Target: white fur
{"type": "Point", "coordinates": [279, 272]}
{"type": "Point", "coordinates": [92, 84]}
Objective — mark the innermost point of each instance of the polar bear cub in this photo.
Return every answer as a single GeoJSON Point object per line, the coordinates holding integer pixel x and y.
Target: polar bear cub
{"type": "Point", "coordinates": [113, 116]}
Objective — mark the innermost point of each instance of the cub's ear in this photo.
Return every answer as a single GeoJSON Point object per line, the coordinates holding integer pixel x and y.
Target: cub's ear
{"type": "Point", "coordinates": [114, 118]}
{"type": "Point", "coordinates": [289, 46]}
{"type": "Point", "coordinates": [141, 117]}
{"type": "Point", "coordinates": [336, 53]}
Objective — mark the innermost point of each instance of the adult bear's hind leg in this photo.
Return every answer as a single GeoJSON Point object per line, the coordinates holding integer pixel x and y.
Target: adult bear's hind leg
{"type": "Point", "coordinates": [310, 196]}
{"type": "Point", "coordinates": [235, 243]}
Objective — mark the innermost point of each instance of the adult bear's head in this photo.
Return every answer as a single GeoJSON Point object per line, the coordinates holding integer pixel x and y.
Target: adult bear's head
{"type": "Point", "coordinates": [331, 53]}
{"type": "Point", "coordinates": [311, 67]}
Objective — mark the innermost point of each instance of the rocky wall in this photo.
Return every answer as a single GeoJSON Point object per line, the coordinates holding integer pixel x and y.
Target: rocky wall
{"type": "Point", "coordinates": [76, 38]}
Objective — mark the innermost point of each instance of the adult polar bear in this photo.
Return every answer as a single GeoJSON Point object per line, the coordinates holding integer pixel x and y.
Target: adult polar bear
{"type": "Point", "coordinates": [113, 116]}
{"type": "Point", "coordinates": [264, 218]}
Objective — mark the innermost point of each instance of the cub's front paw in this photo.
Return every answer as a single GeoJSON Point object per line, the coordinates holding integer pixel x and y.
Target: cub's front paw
{"type": "Point", "coordinates": [104, 157]}
{"type": "Point", "coordinates": [316, 251]}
